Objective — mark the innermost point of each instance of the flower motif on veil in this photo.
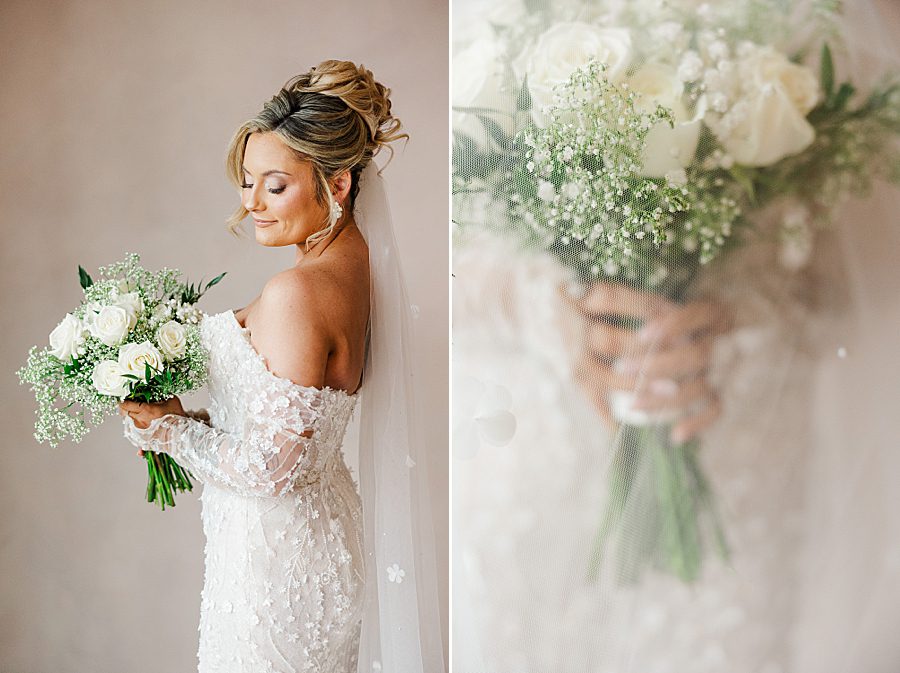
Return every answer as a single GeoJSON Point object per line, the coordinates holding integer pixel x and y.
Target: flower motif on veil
{"type": "Point", "coordinates": [482, 414]}
{"type": "Point", "coordinates": [395, 573]}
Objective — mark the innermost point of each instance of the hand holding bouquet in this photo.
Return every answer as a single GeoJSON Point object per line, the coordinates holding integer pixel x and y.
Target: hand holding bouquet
{"type": "Point", "coordinates": [135, 337]}
{"type": "Point", "coordinates": [637, 162]}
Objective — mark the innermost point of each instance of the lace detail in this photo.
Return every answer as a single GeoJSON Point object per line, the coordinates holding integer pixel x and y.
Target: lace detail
{"type": "Point", "coordinates": [281, 513]}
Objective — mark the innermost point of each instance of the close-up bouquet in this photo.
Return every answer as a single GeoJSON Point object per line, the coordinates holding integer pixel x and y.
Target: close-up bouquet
{"type": "Point", "coordinates": [134, 336]}
{"type": "Point", "coordinates": [640, 161]}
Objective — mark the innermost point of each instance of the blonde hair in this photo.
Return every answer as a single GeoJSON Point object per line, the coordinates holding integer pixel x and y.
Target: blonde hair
{"type": "Point", "coordinates": [335, 116]}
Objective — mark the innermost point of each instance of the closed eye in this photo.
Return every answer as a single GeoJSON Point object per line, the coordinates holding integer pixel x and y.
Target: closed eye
{"type": "Point", "coordinates": [276, 190]}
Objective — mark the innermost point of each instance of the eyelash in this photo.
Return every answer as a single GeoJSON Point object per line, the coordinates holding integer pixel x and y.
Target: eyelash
{"type": "Point", "coordinates": [271, 191]}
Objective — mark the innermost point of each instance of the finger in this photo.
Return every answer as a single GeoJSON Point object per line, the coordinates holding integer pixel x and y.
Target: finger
{"type": "Point", "coordinates": [696, 318]}
{"type": "Point", "coordinates": [604, 339]}
{"type": "Point", "coordinates": [668, 395]}
{"type": "Point", "coordinates": [688, 428]}
{"type": "Point", "coordinates": [616, 299]}
{"type": "Point", "coordinates": [593, 374]}
{"type": "Point", "coordinates": [685, 360]}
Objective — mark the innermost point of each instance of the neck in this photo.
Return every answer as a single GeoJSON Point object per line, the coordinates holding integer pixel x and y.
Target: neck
{"type": "Point", "coordinates": [316, 249]}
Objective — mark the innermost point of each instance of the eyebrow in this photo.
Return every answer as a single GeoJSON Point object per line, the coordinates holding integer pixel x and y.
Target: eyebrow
{"type": "Point", "coordinates": [267, 173]}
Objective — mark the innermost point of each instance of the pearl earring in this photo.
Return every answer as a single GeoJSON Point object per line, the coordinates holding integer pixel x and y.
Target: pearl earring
{"type": "Point", "coordinates": [336, 212]}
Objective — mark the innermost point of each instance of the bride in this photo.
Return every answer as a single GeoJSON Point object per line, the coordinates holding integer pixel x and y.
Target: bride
{"type": "Point", "coordinates": [295, 580]}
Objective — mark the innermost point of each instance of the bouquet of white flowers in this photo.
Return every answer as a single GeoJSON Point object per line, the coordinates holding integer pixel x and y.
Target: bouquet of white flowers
{"type": "Point", "coordinates": [134, 336]}
{"type": "Point", "coordinates": [640, 163]}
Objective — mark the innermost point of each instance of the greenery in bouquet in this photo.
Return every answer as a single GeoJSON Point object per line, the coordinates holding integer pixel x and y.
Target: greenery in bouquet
{"type": "Point", "coordinates": [641, 167]}
{"type": "Point", "coordinates": [134, 336]}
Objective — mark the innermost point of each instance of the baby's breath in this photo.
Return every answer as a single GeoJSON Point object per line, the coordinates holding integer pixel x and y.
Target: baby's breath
{"type": "Point", "coordinates": [579, 192]}
{"type": "Point", "coordinates": [68, 402]}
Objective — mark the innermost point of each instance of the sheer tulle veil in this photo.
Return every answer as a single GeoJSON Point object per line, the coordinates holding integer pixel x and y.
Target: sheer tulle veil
{"type": "Point", "coordinates": [401, 622]}
{"type": "Point", "coordinates": [802, 458]}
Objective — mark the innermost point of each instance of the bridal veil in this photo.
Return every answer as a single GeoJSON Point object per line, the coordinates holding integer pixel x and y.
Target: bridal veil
{"type": "Point", "coordinates": [799, 472]}
{"type": "Point", "coordinates": [401, 620]}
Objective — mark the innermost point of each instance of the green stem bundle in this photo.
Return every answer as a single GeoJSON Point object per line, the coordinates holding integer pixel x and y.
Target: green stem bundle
{"type": "Point", "coordinates": [659, 507]}
{"type": "Point", "coordinates": [165, 477]}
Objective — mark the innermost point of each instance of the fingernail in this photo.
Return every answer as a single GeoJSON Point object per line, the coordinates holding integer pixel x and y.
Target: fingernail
{"type": "Point", "coordinates": [574, 290]}
{"type": "Point", "coordinates": [663, 387]}
{"type": "Point", "coordinates": [648, 334]}
{"type": "Point", "coordinates": [626, 366]}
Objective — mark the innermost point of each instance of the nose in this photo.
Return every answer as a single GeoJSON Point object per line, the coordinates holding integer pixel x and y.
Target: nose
{"type": "Point", "coordinates": [251, 201]}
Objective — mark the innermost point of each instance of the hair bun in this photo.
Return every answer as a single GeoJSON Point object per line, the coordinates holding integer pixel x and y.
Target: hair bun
{"type": "Point", "coordinates": [356, 87]}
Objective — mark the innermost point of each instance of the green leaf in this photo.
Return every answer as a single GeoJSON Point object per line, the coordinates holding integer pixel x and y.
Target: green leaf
{"type": "Point", "coordinates": [84, 278]}
{"type": "Point", "coordinates": [843, 95]}
{"type": "Point", "coordinates": [523, 100]}
{"type": "Point", "coordinates": [215, 280]}
{"type": "Point", "coordinates": [482, 110]}
{"type": "Point", "coordinates": [744, 178]}
{"type": "Point", "coordinates": [495, 131]}
{"type": "Point", "coordinates": [827, 76]}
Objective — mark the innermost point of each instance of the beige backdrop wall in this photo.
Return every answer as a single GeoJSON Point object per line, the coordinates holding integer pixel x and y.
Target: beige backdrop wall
{"type": "Point", "coordinates": [114, 119]}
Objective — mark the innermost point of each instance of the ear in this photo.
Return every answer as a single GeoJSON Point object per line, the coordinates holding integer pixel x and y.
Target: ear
{"type": "Point", "coordinates": [340, 186]}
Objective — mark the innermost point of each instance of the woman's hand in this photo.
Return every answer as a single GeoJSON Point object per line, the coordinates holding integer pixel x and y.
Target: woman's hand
{"type": "Point", "coordinates": [664, 363]}
{"type": "Point", "coordinates": [142, 413]}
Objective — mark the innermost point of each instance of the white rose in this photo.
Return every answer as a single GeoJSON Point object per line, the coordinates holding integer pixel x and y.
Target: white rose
{"type": "Point", "coordinates": [172, 340]}
{"type": "Point", "coordinates": [565, 48]}
{"type": "Point", "coordinates": [478, 77]}
{"type": "Point", "coordinates": [110, 325]}
{"type": "Point", "coordinates": [666, 149]}
{"type": "Point", "coordinates": [67, 337]}
{"type": "Point", "coordinates": [134, 357]}
{"type": "Point", "coordinates": [474, 20]}
{"type": "Point", "coordinates": [108, 380]}
{"type": "Point", "coordinates": [769, 122]}
{"type": "Point", "coordinates": [133, 305]}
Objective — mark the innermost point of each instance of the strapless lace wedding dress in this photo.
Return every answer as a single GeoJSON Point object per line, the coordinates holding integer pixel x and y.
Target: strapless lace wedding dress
{"type": "Point", "coordinates": [283, 587]}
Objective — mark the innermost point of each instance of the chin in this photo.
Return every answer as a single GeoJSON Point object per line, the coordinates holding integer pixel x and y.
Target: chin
{"type": "Point", "coordinates": [268, 238]}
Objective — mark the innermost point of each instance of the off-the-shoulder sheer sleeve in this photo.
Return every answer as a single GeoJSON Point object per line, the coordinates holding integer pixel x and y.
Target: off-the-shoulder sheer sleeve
{"type": "Point", "coordinates": [267, 456]}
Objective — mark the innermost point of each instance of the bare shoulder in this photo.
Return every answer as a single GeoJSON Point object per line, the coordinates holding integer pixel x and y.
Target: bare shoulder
{"type": "Point", "coordinates": [290, 327]}
{"type": "Point", "coordinates": [300, 288]}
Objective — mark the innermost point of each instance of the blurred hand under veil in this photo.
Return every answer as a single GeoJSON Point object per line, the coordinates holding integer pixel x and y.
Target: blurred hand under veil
{"type": "Point", "coordinates": [787, 385]}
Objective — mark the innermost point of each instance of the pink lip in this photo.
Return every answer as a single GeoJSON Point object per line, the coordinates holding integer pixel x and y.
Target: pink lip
{"type": "Point", "coordinates": [264, 223]}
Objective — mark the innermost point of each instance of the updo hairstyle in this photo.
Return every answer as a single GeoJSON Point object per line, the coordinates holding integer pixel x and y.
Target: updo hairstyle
{"type": "Point", "coordinates": [336, 117]}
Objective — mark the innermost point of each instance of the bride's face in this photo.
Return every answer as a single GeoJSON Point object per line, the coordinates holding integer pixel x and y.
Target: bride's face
{"type": "Point", "coordinates": [279, 191]}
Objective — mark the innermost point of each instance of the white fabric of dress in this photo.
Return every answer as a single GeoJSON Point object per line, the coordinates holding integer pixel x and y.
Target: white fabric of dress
{"type": "Point", "coordinates": [526, 513]}
{"type": "Point", "coordinates": [283, 589]}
